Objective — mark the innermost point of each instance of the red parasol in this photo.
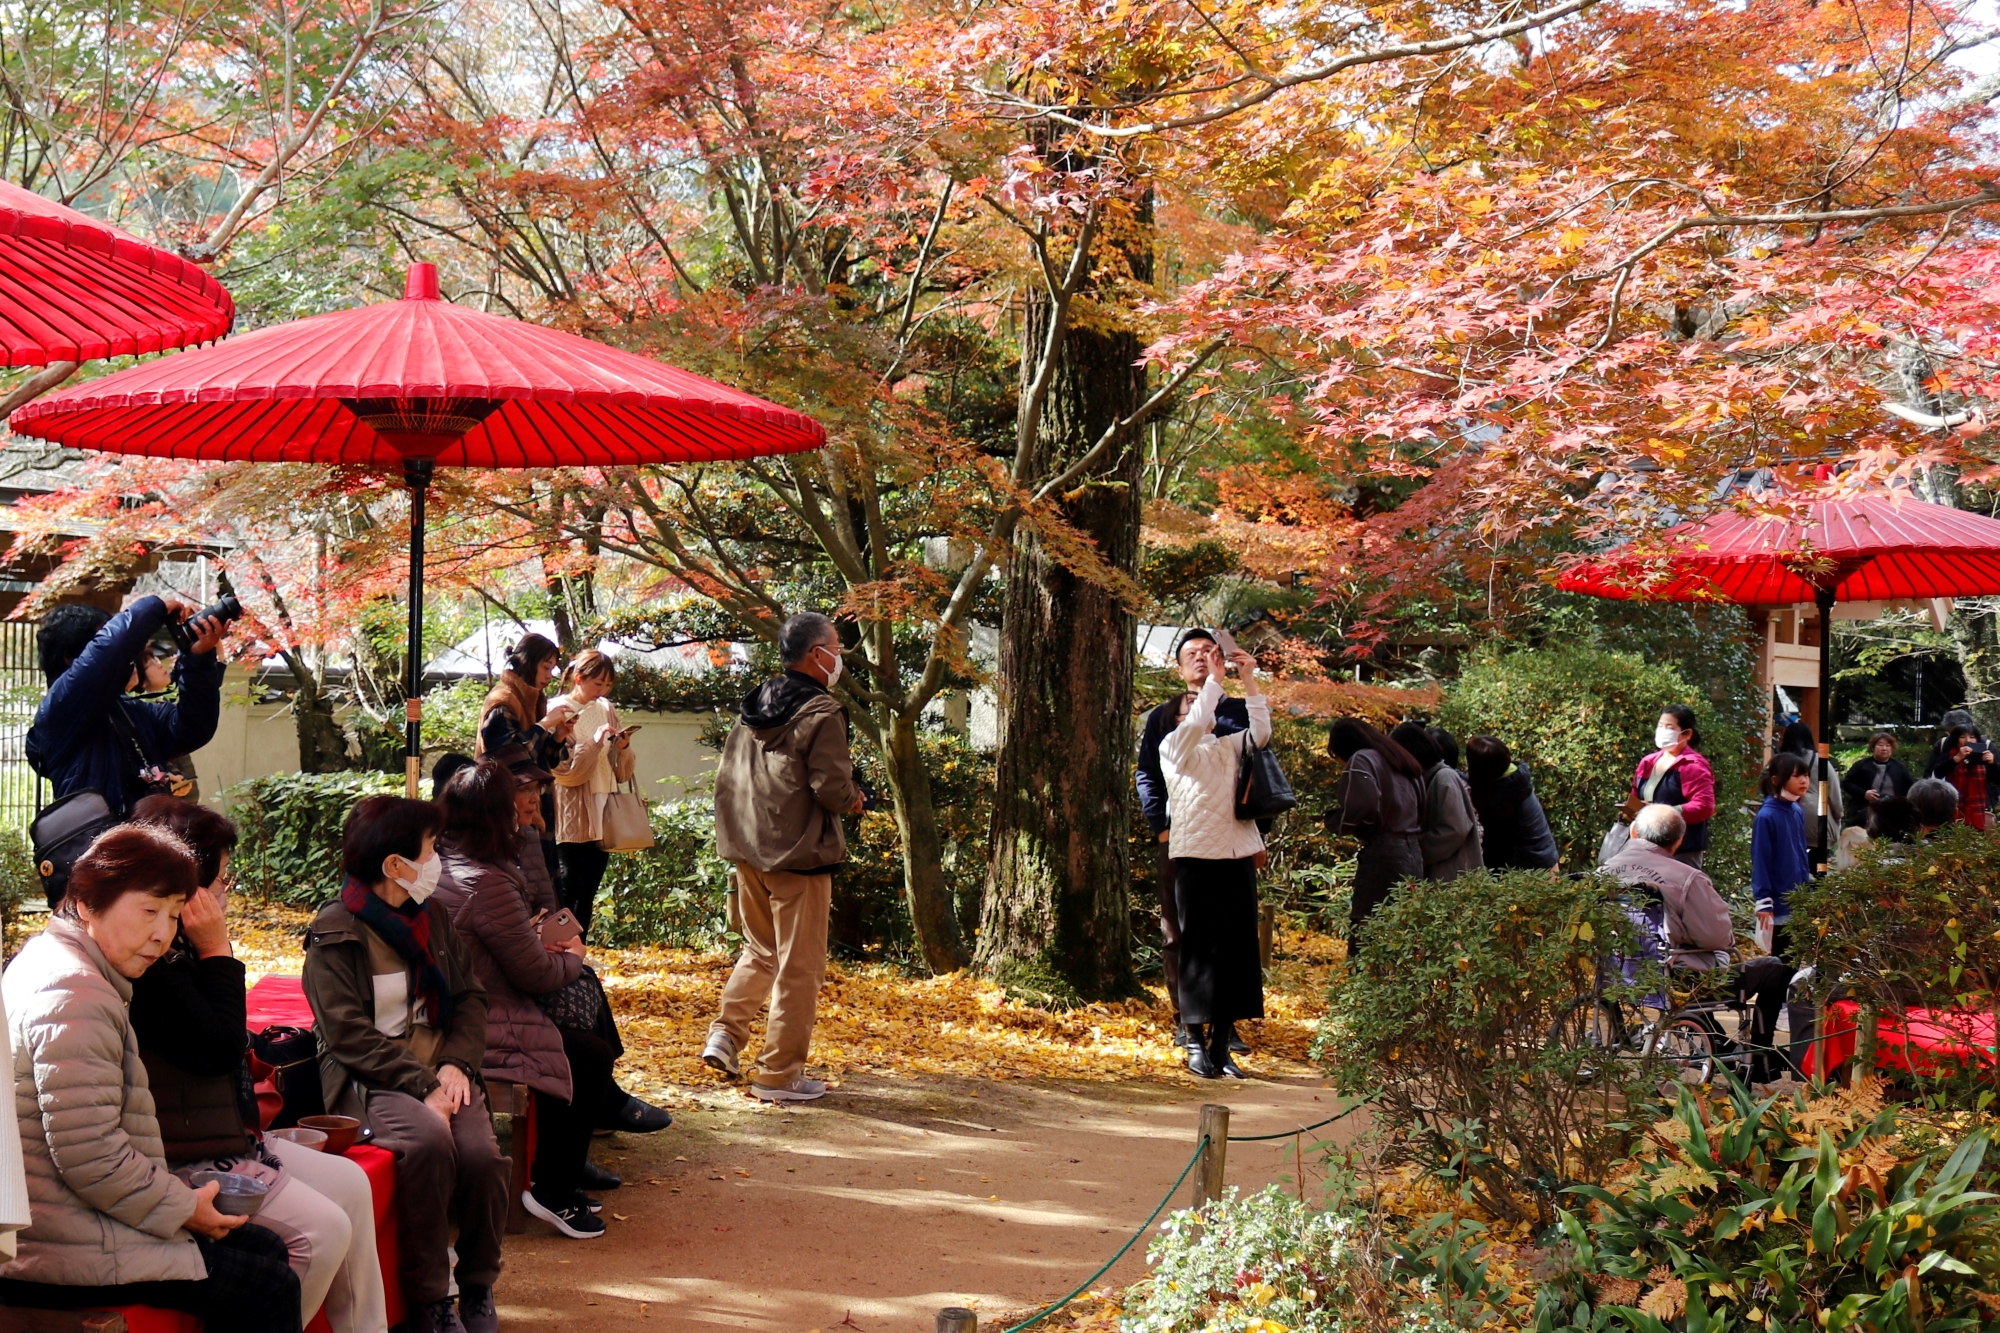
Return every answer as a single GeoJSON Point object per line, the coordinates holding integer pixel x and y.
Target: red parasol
{"type": "Point", "coordinates": [412, 384]}
{"type": "Point", "coordinates": [74, 289]}
{"type": "Point", "coordinates": [1870, 548]}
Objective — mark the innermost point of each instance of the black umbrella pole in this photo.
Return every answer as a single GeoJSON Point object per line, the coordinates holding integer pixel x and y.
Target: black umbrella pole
{"type": "Point", "coordinates": [417, 474]}
{"type": "Point", "coordinates": [1824, 598]}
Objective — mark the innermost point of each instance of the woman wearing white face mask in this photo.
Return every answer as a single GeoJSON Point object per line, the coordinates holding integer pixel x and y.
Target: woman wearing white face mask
{"type": "Point", "coordinates": [401, 1020]}
{"type": "Point", "coordinates": [1676, 774]}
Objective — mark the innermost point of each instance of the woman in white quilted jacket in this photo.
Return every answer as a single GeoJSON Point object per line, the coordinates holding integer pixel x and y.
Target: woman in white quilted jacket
{"type": "Point", "coordinates": [1216, 857]}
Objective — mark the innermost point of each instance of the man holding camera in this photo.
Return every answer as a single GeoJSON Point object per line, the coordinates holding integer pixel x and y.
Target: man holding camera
{"type": "Point", "coordinates": [88, 734]}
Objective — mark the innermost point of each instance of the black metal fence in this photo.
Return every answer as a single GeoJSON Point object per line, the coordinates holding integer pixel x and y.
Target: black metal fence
{"type": "Point", "coordinates": [21, 792]}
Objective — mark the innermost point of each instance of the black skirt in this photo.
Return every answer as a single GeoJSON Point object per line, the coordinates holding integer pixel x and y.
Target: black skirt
{"type": "Point", "coordinates": [1221, 973]}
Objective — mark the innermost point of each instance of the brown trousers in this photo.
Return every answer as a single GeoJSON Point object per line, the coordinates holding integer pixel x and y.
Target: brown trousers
{"type": "Point", "coordinates": [443, 1175]}
{"type": "Point", "coordinates": [783, 962]}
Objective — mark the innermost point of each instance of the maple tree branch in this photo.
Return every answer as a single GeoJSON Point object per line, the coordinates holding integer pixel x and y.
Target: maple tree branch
{"type": "Point", "coordinates": [1989, 195]}
{"type": "Point", "coordinates": [36, 385]}
{"type": "Point", "coordinates": [1269, 86]}
{"type": "Point", "coordinates": [917, 280]}
{"type": "Point", "coordinates": [1118, 429]}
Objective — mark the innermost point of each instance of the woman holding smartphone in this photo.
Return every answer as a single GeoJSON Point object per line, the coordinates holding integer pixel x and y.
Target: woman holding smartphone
{"type": "Point", "coordinates": [482, 886]}
{"type": "Point", "coordinates": [599, 759]}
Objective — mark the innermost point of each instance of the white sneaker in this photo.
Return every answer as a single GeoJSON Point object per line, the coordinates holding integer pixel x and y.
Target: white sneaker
{"type": "Point", "coordinates": [720, 1054]}
{"type": "Point", "coordinates": [798, 1090]}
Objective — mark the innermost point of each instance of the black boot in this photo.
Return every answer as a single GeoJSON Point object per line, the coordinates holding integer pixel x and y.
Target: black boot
{"type": "Point", "coordinates": [1237, 1046]}
{"type": "Point", "coordinates": [1200, 1063]}
{"type": "Point", "coordinates": [1218, 1051]}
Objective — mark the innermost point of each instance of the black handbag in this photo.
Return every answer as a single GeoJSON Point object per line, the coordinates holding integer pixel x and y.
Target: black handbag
{"type": "Point", "coordinates": [293, 1054]}
{"type": "Point", "coordinates": [63, 832]}
{"type": "Point", "coordinates": [576, 1005]}
{"type": "Point", "coordinates": [1262, 789]}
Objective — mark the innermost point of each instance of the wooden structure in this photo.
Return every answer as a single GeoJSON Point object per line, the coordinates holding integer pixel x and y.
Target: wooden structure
{"type": "Point", "coordinates": [1789, 648]}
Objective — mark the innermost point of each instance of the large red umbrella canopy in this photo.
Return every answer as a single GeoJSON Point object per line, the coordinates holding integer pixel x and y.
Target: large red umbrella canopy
{"type": "Point", "coordinates": [416, 378]}
{"type": "Point", "coordinates": [412, 384]}
{"type": "Point", "coordinates": [74, 289]}
{"type": "Point", "coordinates": [1865, 549]}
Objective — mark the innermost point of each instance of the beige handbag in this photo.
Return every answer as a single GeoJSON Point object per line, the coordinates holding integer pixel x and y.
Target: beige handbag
{"type": "Point", "coordinates": [626, 827]}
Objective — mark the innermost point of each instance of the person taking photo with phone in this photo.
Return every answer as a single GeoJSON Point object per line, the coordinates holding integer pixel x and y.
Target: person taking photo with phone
{"type": "Point", "coordinates": [599, 759]}
{"type": "Point", "coordinates": [1191, 661]}
{"type": "Point", "coordinates": [1215, 858]}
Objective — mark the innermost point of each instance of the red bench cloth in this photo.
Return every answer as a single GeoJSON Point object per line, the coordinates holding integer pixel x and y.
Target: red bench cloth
{"type": "Point", "coordinates": [282, 1000]}
{"type": "Point", "coordinates": [1919, 1040]}
{"type": "Point", "coordinates": [278, 1000]}
{"type": "Point", "coordinates": [380, 1167]}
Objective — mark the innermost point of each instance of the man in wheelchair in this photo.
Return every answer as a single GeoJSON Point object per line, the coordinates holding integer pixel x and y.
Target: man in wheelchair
{"type": "Point", "coordinates": [1684, 923]}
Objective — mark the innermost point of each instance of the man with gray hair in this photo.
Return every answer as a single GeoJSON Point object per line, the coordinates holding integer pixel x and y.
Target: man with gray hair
{"type": "Point", "coordinates": [785, 779]}
{"type": "Point", "coordinates": [1678, 904]}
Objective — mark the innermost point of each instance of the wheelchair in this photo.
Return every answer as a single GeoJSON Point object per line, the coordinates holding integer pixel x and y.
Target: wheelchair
{"type": "Point", "coordinates": [1695, 1026]}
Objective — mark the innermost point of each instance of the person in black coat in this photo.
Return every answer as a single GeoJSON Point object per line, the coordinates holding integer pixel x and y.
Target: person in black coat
{"type": "Point", "coordinates": [1879, 777]}
{"type": "Point", "coordinates": [1232, 715]}
{"type": "Point", "coordinates": [1514, 829]}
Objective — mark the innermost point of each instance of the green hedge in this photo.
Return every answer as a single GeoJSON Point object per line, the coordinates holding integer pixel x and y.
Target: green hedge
{"type": "Point", "coordinates": [289, 827]}
{"type": "Point", "coordinates": [1581, 719]}
{"type": "Point", "coordinates": [1466, 1021]}
{"type": "Point", "coordinates": [675, 892]}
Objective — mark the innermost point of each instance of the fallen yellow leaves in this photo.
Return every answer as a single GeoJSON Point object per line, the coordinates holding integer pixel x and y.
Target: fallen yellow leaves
{"type": "Point", "coordinates": [877, 1019]}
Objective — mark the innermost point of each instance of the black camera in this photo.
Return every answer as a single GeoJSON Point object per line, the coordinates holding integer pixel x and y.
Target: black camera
{"type": "Point", "coordinates": [224, 609]}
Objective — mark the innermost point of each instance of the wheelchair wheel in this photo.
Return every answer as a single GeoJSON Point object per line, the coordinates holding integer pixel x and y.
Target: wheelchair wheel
{"type": "Point", "coordinates": [1688, 1043]}
{"type": "Point", "coordinates": [1595, 1025]}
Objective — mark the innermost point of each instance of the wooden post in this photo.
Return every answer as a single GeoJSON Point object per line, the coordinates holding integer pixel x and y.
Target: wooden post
{"type": "Point", "coordinates": [1214, 1128]}
{"type": "Point", "coordinates": [1267, 920]}
{"type": "Point", "coordinates": [1867, 1015]}
{"type": "Point", "coordinates": [957, 1319]}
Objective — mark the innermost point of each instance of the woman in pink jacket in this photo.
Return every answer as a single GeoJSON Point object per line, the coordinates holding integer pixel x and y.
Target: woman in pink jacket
{"type": "Point", "coordinates": [1677, 775]}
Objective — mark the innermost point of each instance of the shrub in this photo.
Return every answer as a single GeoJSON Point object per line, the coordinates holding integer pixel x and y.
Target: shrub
{"type": "Point", "coordinates": [1266, 1264]}
{"type": "Point", "coordinates": [1464, 1019]}
{"type": "Point", "coordinates": [289, 831]}
{"type": "Point", "coordinates": [1581, 719]}
{"type": "Point", "coordinates": [1917, 925]}
{"type": "Point", "coordinates": [1785, 1215]}
{"type": "Point", "coordinates": [675, 892]}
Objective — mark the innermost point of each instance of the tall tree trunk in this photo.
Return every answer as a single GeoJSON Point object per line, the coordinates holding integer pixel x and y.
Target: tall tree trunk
{"type": "Point", "coordinates": [1974, 633]}
{"type": "Point", "coordinates": [1056, 918]}
{"type": "Point", "coordinates": [322, 743]}
{"type": "Point", "coordinates": [933, 915]}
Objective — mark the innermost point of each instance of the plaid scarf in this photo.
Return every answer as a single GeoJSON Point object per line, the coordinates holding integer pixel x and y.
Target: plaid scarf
{"type": "Point", "coordinates": [1970, 779]}
{"type": "Point", "coordinates": [407, 930]}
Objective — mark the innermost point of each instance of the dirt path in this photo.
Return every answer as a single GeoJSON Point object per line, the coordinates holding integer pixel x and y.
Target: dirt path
{"type": "Point", "coordinates": [888, 1200]}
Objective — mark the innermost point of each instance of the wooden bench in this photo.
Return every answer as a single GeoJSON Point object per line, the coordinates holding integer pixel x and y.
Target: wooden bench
{"type": "Point", "coordinates": [61, 1321]}
{"type": "Point", "coordinates": [516, 1101]}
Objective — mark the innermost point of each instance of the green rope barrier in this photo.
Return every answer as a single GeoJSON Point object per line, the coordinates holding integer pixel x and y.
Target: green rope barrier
{"type": "Point", "coordinates": [1143, 1227]}
{"type": "Point", "coordinates": [1302, 1129]}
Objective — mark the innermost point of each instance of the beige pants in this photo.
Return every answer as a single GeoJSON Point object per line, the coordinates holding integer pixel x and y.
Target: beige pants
{"type": "Point", "coordinates": [783, 962]}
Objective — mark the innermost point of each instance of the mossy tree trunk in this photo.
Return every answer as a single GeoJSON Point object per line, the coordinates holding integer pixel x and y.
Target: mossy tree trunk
{"type": "Point", "coordinates": [1056, 920]}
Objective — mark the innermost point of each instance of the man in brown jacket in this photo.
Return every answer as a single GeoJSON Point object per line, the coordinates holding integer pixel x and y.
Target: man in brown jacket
{"type": "Point", "coordinates": [786, 779]}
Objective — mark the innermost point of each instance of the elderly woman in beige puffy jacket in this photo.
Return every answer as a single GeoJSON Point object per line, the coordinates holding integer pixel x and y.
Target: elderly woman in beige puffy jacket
{"type": "Point", "coordinates": [600, 757]}
{"type": "Point", "coordinates": [1215, 856]}
{"type": "Point", "coordinates": [111, 1225]}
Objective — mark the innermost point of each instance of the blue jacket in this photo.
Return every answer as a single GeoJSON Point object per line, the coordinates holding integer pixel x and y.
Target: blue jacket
{"type": "Point", "coordinates": [73, 743]}
{"type": "Point", "coordinates": [1231, 716]}
{"type": "Point", "coordinates": [1778, 861]}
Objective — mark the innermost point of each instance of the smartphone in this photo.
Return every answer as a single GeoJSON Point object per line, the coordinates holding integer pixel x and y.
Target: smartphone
{"type": "Point", "coordinates": [629, 730]}
{"type": "Point", "coordinates": [1227, 643]}
{"type": "Point", "coordinates": [560, 927]}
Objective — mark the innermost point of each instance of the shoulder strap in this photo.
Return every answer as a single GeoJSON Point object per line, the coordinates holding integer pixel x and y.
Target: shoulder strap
{"type": "Point", "coordinates": [122, 724]}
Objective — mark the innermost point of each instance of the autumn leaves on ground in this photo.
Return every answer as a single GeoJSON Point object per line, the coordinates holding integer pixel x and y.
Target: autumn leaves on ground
{"type": "Point", "coordinates": [876, 1019]}
{"type": "Point", "coordinates": [975, 1151]}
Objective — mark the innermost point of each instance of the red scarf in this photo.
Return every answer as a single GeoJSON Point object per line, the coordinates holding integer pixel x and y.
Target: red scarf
{"type": "Point", "coordinates": [1970, 779]}
{"type": "Point", "coordinates": [407, 930]}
